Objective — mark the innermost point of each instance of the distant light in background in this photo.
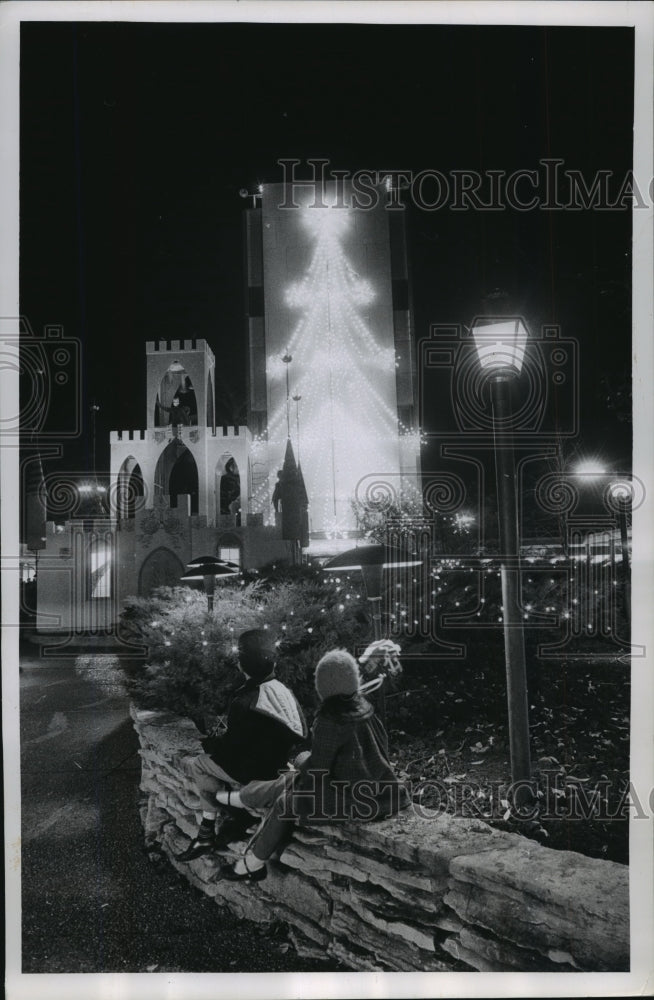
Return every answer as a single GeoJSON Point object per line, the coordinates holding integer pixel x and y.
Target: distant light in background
{"type": "Point", "coordinates": [590, 467]}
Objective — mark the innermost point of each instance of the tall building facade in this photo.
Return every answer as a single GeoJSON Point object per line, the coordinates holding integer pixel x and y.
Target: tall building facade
{"type": "Point", "coordinates": [331, 361]}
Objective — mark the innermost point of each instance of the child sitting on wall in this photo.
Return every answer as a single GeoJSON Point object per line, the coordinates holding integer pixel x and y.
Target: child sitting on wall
{"type": "Point", "coordinates": [263, 723]}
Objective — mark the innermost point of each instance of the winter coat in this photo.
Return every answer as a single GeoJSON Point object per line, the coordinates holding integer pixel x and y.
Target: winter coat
{"type": "Point", "coordinates": [263, 722]}
{"type": "Point", "coordinates": [348, 775]}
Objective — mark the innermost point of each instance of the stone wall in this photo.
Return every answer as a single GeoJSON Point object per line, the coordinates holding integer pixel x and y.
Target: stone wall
{"type": "Point", "coordinates": [405, 894]}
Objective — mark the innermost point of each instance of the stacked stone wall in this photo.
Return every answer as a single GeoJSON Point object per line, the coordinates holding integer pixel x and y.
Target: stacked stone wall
{"type": "Point", "coordinates": [405, 894]}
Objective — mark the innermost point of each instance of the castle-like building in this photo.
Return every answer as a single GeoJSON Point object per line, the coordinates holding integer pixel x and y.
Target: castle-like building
{"type": "Point", "coordinates": [331, 381]}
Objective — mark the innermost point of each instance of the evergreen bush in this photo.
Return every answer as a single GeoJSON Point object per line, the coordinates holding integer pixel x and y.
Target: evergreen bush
{"type": "Point", "coordinates": [191, 666]}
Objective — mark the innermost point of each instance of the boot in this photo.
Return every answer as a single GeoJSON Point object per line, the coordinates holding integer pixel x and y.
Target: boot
{"type": "Point", "coordinates": [203, 844]}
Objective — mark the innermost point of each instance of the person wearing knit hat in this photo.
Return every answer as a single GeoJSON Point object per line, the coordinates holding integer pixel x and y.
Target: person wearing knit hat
{"type": "Point", "coordinates": [337, 673]}
{"type": "Point", "coordinates": [264, 722]}
{"type": "Point", "coordinates": [347, 776]}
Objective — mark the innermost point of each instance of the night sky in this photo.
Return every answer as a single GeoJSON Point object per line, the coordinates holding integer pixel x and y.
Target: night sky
{"type": "Point", "coordinates": [136, 138]}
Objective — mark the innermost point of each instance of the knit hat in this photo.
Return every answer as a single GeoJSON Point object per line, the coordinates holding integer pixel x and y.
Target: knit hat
{"type": "Point", "coordinates": [256, 653]}
{"type": "Point", "coordinates": [337, 673]}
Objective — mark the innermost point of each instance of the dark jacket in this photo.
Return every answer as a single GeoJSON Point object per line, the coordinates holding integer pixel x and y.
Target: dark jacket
{"type": "Point", "coordinates": [178, 416]}
{"type": "Point", "coordinates": [348, 775]}
{"type": "Point", "coordinates": [263, 723]}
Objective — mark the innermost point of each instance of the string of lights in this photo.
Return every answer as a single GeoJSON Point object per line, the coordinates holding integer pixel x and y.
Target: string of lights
{"type": "Point", "coordinates": [344, 374]}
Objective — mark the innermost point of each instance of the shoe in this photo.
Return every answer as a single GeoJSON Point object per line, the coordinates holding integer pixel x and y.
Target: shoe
{"type": "Point", "coordinates": [196, 849]}
{"type": "Point", "coordinates": [258, 875]}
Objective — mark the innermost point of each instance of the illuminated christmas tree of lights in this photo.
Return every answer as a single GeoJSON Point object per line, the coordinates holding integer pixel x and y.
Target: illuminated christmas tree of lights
{"type": "Point", "coordinates": [345, 377]}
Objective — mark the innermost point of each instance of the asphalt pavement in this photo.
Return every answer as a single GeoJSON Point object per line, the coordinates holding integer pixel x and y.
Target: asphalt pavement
{"type": "Point", "coordinates": [92, 900]}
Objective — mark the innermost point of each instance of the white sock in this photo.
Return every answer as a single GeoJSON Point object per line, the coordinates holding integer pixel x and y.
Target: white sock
{"type": "Point", "coordinates": [229, 798]}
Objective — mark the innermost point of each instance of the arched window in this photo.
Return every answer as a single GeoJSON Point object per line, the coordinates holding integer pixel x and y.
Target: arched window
{"type": "Point", "coordinates": [177, 473]}
{"type": "Point", "coordinates": [228, 487]}
{"type": "Point", "coordinates": [176, 398]}
{"type": "Point", "coordinates": [131, 489]}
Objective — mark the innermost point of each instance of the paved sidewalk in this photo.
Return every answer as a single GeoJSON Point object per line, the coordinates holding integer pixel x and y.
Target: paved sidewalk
{"type": "Point", "coordinates": [92, 900]}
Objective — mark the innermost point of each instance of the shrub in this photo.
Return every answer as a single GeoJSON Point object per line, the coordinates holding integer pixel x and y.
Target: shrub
{"type": "Point", "coordinates": [191, 664]}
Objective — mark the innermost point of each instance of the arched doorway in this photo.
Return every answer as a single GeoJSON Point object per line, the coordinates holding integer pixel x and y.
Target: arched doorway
{"type": "Point", "coordinates": [162, 568]}
{"type": "Point", "coordinates": [175, 385]}
{"type": "Point", "coordinates": [131, 490]}
{"type": "Point", "coordinates": [177, 473]}
{"type": "Point", "coordinates": [228, 487]}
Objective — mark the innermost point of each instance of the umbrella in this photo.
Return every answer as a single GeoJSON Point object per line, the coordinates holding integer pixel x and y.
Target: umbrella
{"type": "Point", "coordinates": [208, 569]}
{"type": "Point", "coordinates": [371, 559]}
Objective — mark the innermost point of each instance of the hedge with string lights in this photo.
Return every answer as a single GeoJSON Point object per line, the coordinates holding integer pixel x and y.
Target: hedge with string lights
{"type": "Point", "coordinates": [190, 667]}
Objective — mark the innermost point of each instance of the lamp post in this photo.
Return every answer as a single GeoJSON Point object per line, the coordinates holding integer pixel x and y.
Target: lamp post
{"type": "Point", "coordinates": [296, 400]}
{"type": "Point", "coordinates": [501, 347]}
{"type": "Point", "coordinates": [621, 495]}
{"type": "Point", "coordinates": [288, 357]}
{"type": "Point", "coordinates": [208, 569]}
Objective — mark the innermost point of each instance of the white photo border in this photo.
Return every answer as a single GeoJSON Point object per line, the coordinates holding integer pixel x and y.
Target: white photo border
{"type": "Point", "coordinates": [640, 979]}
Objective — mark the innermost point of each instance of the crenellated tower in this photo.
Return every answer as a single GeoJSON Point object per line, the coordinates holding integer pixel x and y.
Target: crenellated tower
{"type": "Point", "coordinates": [181, 453]}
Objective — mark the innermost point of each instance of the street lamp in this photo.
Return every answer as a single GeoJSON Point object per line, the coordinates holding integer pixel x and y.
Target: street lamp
{"type": "Point", "coordinates": [501, 349]}
{"type": "Point", "coordinates": [591, 473]}
{"type": "Point", "coordinates": [590, 468]}
{"type": "Point", "coordinates": [208, 569]}
{"type": "Point", "coordinates": [90, 500]}
{"type": "Point", "coordinates": [621, 496]}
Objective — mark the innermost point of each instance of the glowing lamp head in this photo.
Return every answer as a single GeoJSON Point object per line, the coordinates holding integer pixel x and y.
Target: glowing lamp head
{"type": "Point", "coordinates": [590, 468]}
{"type": "Point", "coordinates": [500, 344]}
